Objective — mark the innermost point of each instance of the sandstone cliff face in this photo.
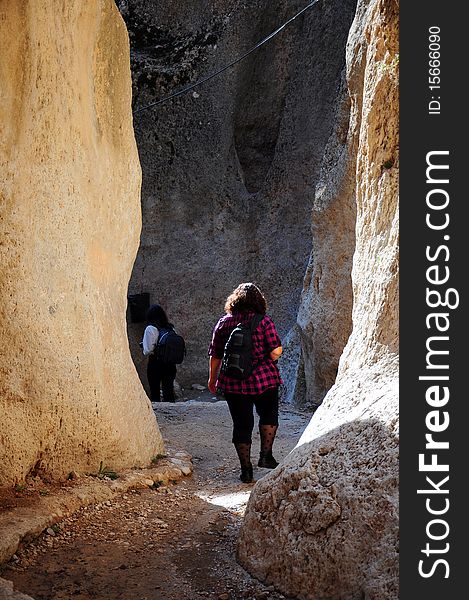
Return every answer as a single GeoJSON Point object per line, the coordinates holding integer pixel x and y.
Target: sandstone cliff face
{"type": "Point", "coordinates": [324, 524]}
{"type": "Point", "coordinates": [69, 226]}
{"type": "Point", "coordinates": [229, 170]}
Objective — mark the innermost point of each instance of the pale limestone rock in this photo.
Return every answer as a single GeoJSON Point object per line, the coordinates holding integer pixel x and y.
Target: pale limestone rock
{"type": "Point", "coordinates": [69, 232]}
{"type": "Point", "coordinates": [293, 391]}
{"type": "Point", "coordinates": [325, 313]}
{"type": "Point", "coordinates": [324, 524]}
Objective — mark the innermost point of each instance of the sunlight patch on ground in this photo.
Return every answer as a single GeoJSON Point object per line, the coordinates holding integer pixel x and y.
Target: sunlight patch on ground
{"type": "Point", "coordinates": [235, 502]}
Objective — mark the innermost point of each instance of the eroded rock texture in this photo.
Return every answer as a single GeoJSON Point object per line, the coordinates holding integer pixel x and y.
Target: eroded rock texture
{"type": "Point", "coordinates": [230, 169]}
{"type": "Point", "coordinates": [69, 228]}
{"type": "Point", "coordinates": [324, 321]}
{"type": "Point", "coordinates": [324, 524]}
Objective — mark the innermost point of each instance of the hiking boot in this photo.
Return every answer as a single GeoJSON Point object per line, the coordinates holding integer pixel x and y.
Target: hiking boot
{"type": "Point", "coordinates": [246, 474]}
{"type": "Point", "coordinates": [267, 461]}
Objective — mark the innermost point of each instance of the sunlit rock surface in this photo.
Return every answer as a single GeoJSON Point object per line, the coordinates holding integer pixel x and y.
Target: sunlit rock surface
{"type": "Point", "coordinates": [324, 524]}
{"type": "Point", "coordinates": [69, 231]}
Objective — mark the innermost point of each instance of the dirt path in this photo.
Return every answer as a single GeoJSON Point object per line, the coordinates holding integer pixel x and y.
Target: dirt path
{"type": "Point", "coordinates": [173, 543]}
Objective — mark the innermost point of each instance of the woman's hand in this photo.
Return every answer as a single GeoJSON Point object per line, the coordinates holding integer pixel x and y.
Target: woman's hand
{"type": "Point", "coordinates": [276, 352]}
{"type": "Point", "coordinates": [214, 367]}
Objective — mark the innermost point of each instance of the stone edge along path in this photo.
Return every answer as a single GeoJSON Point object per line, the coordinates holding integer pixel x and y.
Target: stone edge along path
{"type": "Point", "coordinates": [25, 523]}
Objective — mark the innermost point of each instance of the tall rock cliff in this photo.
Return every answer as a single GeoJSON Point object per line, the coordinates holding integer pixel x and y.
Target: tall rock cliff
{"type": "Point", "coordinates": [324, 524]}
{"type": "Point", "coordinates": [69, 231]}
{"type": "Point", "coordinates": [230, 169]}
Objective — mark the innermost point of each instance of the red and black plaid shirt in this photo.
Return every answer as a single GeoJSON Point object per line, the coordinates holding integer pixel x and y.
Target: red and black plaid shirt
{"type": "Point", "coordinates": [265, 338]}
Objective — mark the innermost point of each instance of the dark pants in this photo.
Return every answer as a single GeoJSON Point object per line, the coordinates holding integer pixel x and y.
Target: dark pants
{"type": "Point", "coordinates": [241, 409]}
{"type": "Point", "coordinates": [162, 374]}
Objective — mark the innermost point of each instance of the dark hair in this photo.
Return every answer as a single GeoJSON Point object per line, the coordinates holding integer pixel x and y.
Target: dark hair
{"type": "Point", "coordinates": [157, 317]}
{"type": "Point", "coordinates": [246, 297]}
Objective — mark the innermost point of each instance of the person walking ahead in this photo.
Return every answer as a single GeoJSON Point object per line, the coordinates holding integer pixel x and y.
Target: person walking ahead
{"type": "Point", "coordinates": [158, 373]}
{"type": "Point", "coordinates": [260, 388]}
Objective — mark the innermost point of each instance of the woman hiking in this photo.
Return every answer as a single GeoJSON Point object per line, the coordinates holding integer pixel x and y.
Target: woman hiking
{"type": "Point", "coordinates": [260, 388]}
{"type": "Point", "coordinates": [158, 372]}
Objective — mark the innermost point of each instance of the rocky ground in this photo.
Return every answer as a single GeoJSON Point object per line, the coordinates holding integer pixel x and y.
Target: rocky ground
{"type": "Point", "coordinates": [173, 542]}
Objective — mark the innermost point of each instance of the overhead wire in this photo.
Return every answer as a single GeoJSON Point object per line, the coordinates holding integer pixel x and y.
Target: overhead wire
{"type": "Point", "coordinates": [228, 66]}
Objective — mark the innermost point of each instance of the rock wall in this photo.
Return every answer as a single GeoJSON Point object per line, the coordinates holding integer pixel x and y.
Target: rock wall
{"type": "Point", "coordinates": [324, 319]}
{"type": "Point", "coordinates": [324, 524]}
{"type": "Point", "coordinates": [69, 231]}
{"type": "Point", "coordinates": [230, 169]}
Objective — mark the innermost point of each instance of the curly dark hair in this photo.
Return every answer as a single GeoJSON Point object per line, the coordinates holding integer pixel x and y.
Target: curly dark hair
{"type": "Point", "coordinates": [246, 297]}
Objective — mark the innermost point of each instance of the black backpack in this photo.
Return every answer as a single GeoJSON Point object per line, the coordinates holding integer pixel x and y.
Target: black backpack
{"type": "Point", "coordinates": [170, 347]}
{"type": "Point", "coordinates": [237, 356]}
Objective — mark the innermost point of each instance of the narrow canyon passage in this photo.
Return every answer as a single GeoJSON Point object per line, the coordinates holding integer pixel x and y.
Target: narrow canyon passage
{"type": "Point", "coordinates": [284, 172]}
{"type": "Point", "coordinates": [173, 543]}
{"type": "Point", "coordinates": [230, 174]}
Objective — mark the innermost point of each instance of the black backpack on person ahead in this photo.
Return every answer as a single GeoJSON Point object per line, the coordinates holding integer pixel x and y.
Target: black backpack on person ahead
{"type": "Point", "coordinates": [237, 356]}
{"type": "Point", "coordinates": [170, 347]}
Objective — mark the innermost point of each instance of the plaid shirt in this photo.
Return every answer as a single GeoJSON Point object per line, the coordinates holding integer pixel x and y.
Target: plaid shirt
{"type": "Point", "coordinates": [265, 338]}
